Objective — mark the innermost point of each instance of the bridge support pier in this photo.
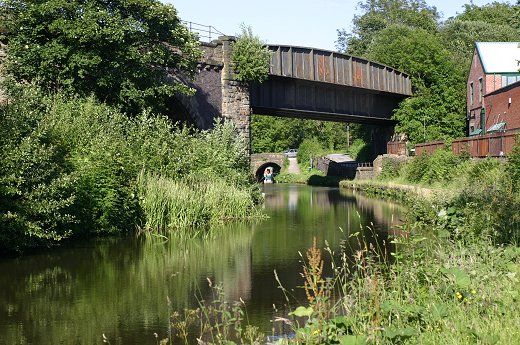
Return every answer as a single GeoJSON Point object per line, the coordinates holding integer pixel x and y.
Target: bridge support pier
{"type": "Point", "coordinates": [236, 105]}
{"type": "Point", "coordinates": [381, 135]}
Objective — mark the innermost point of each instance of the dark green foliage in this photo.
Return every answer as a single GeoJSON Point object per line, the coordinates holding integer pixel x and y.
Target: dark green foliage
{"type": "Point", "coordinates": [276, 134]}
{"type": "Point", "coordinates": [36, 182]}
{"type": "Point", "coordinates": [309, 149]}
{"type": "Point", "coordinates": [250, 57]}
{"type": "Point", "coordinates": [439, 102]}
{"type": "Point", "coordinates": [487, 206]}
{"type": "Point", "coordinates": [441, 166]}
{"type": "Point", "coordinates": [119, 51]}
{"type": "Point", "coordinates": [513, 166]}
{"type": "Point", "coordinates": [380, 14]}
{"type": "Point", "coordinates": [408, 35]}
{"type": "Point", "coordinates": [498, 13]}
{"type": "Point", "coordinates": [390, 168]}
{"type": "Point", "coordinates": [69, 167]}
{"type": "Point", "coordinates": [459, 37]}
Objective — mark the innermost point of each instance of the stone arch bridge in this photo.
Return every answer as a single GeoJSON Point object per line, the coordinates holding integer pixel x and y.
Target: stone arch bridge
{"type": "Point", "coordinates": [260, 161]}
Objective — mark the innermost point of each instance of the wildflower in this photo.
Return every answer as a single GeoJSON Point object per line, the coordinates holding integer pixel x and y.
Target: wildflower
{"type": "Point", "coordinates": [459, 295]}
{"type": "Point", "coordinates": [473, 291]}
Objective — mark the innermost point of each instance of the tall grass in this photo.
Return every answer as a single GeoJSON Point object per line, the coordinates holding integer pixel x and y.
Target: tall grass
{"type": "Point", "coordinates": [191, 205]}
{"type": "Point", "coordinates": [69, 167]}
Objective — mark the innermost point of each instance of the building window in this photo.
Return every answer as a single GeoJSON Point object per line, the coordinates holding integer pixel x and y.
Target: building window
{"type": "Point", "coordinates": [480, 89]}
{"type": "Point", "coordinates": [471, 93]}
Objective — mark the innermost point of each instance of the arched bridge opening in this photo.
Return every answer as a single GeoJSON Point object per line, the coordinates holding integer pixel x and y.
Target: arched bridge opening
{"type": "Point", "coordinates": [259, 174]}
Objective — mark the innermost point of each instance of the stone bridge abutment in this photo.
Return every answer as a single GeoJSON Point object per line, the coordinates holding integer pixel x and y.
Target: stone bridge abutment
{"type": "Point", "coordinates": [260, 161]}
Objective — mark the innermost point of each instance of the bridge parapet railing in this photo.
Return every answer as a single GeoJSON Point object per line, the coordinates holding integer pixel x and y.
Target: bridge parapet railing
{"type": "Point", "coordinates": [207, 33]}
{"type": "Point", "coordinates": [337, 68]}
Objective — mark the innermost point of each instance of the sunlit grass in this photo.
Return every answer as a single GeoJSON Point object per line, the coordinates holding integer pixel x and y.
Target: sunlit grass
{"type": "Point", "coordinates": [191, 205]}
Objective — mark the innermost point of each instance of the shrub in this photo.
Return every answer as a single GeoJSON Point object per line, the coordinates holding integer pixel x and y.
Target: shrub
{"type": "Point", "coordinates": [36, 182]}
{"type": "Point", "coordinates": [70, 165]}
{"type": "Point", "coordinates": [441, 166]}
{"type": "Point", "coordinates": [309, 148]}
{"type": "Point", "coordinates": [513, 165]}
{"type": "Point", "coordinates": [250, 57]}
{"type": "Point", "coordinates": [415, 169]}
{"type": "Point", "coordinates": [391, 168]}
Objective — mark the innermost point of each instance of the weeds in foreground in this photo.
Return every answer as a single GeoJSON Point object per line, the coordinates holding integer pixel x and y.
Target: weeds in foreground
{"type": "Point", "coordinates": [435, 291]}
{"type": "Point", "coordinates": [216, 321]}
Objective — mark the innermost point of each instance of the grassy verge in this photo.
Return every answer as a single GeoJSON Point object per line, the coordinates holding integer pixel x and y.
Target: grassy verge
{"type": "Point", "coordinates": [453, 276]}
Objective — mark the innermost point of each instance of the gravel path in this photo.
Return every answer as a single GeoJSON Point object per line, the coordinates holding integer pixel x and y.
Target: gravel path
{"type": "Point", "coordinates": [293, 168]}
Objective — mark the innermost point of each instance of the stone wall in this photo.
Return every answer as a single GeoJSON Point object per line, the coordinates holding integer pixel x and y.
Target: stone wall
{"type": "Point", "coordinates": [331, 168]}
{"type": "Point", "coordinates": [259, 159]}
{"type": "Point", "coordinates": [218, 94]}
{"type": "Point", "coordinates": [236, 105]}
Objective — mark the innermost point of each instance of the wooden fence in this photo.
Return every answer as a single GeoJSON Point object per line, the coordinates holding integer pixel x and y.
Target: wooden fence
{"type": "Point", "coordinates": [493, 145]}
{"type": "Point", "coordinates": [396, 148]}
{"type": "Point", "coordinates": [429, 148]}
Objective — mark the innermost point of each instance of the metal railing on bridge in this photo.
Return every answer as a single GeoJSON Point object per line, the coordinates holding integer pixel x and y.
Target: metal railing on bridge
{"type": "Point", "coordinates": [207, 33]}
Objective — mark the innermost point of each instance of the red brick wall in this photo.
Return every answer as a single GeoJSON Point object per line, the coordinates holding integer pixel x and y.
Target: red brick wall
{"type": "Point", "coordinates": [491, 82]}
{"type": "Point", "coordinates": [476, 72]}
{"type": "Point", "coordinates": [498, 108]}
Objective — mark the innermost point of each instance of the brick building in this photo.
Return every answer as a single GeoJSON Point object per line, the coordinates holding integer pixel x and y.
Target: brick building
{"type": "Point", "coordinates": [493, 89]}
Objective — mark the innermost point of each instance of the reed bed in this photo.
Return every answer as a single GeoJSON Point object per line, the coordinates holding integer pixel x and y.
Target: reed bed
{"type": "Point", "coordinates": [192, 205]}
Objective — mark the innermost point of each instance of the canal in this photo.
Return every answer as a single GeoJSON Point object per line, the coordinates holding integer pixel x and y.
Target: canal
{"type": "Point", "coordinates": [128, 288]}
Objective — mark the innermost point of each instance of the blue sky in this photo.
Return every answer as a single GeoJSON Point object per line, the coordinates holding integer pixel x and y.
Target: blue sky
{"type": "Point", "coordinates": [292, 22]}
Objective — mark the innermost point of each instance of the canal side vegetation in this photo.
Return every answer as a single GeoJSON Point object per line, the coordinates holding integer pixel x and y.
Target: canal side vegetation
{"type": "Point", "coordinates": [74, 167]}
{"type": "Point", "coordinates": [90, 144]}
{"type": "Point", "coordinates": [449, 275]}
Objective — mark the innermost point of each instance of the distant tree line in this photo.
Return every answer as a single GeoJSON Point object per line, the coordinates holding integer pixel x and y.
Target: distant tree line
{"type": "Point", "coordinates": [408, 35]}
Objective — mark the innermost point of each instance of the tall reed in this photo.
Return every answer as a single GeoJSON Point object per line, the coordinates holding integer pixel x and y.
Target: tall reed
{"type": "Point", "coordinates": [191, 205]}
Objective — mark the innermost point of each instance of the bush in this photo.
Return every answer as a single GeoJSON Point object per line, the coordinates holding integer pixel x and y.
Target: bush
{"type": "Point", "coordinates": [250, 57]}
{"type": "Point", "coordinates": [391, 168]}
{"type": "Point", "coordinates": [441, 166]}
{"type": "Point", "coordinates": [513, 165]}
{"type": "Point", "coordinates": [36, 182]}
{"type": "Point", "coordinates": [310, 148]}
{"type": "Point", "coordinates": [69, 168]}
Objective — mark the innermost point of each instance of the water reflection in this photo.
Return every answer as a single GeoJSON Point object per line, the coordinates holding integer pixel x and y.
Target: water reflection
{"type": "Point", "coordinates": [120, 287]}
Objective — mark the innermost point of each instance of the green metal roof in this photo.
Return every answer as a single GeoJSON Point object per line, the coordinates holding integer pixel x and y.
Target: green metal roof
{"type": "Point", "coordinates": [497, 127]}
{"type": "Point", "coordinates": [475, 132]}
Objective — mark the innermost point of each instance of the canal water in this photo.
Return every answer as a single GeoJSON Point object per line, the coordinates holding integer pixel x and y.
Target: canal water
{"type": "Point", "coordinates": [128, 288]}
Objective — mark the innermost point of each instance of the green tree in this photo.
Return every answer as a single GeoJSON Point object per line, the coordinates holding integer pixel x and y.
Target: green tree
{"type": "Point", "coordinates": [437, 107]}
{"type": "Point", "coordinates": [250, 57]}
{"type": "Point", "coordinates": [276, 134]}
{"type": "Point", "coordinates": [121, 51]}
{"type": "Point", "coordinates": [459, 37]}
{"type": "Point", "coordinates": [498, 13]}
{"type": "Point", "coordinates": [380, 14]}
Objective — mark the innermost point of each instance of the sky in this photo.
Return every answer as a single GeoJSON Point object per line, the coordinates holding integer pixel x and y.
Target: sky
{"type": "Point", "coordinates": [308, 23]}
